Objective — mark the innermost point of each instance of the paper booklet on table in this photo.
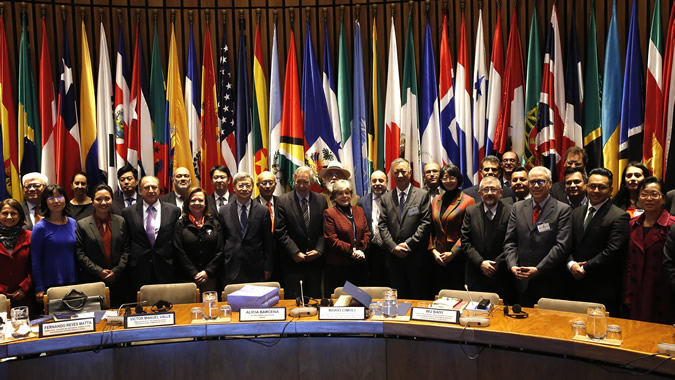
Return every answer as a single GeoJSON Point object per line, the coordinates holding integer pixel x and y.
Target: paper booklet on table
{"type": "Point", "coordinates": [253, 296]}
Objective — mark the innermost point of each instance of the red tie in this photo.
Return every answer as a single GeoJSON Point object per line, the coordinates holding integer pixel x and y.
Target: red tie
{"type": "Point", "coordinates": [535, 214]}
{"type": "Point", "coordinates": [269, 207]}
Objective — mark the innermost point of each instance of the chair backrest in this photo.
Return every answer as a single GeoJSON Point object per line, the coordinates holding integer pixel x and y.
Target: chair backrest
{"type": "Point", "coordinates": [565, 305]}
{"type": "Point", "coordinates": [476, 296]}
{"type": "Point", "coordinates": [4, 304]}
{"type": "Point", "coordinates": [234, 287]}
{"type": "Point", "coordinates": [90, 289]}
{"type": "Point", "coordinates": [185, 292]}
{"type": "Point", "coordinates": [375, 292]}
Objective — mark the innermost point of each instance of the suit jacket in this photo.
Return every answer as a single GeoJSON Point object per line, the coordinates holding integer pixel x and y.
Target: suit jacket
{"type": "Point", "coordinates": [89, 250]}
{"type": "Point", "coordinates": [198, 249]}
{"type": "Point", "coordinates": [26, 210]}
{"type": "Point", "coordinates": [292, 234]}
{"type": "Point", "coordinates": [545, 246]}
{"type": "Point", "coordinates": [411, 227]}
{"type": "Point", "coordinates": [558, 191]}
{"type": "Point", "coordinates": [169, 198]}
{"type": "Point", "coordinates": [340, 235]}
{"type": "Point", "coordinates": [670, 202]}
{"type": "Point", "coordinates": [472, 191]}
{"type": "Point", "coordinates": [669, 261]}
{"type": "Point", "coordinates": [446, 224]}
{"type": "Point", "coordinates": [151, 263]}
{"type": "Point", "coordinates": [213, 207]}
{"type": "Point", "coordinates": [247, 257]}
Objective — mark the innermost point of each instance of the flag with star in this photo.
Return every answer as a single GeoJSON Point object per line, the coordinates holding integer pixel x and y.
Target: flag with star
{"type": "Point", "coordinates": [228, 144]}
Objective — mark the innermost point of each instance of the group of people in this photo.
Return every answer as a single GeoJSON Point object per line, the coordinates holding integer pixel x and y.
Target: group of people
{"type": "Point", "coordinates": [517, 233]}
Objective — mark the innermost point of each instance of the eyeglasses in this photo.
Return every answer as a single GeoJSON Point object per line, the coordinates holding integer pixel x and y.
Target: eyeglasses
{"type": "Point", "coordinates": [52, 199]}
{"type": "Point", "coordinates": [598, 186]}
{"type": "Point", "coordinates": [650, 194]}
{"type": "Point", "coordinates": [244, 186]}
{"type": "Point", "coordinates": [33, 186]}
{"type": "Point", "coordinates": [540, 182]}
{"type": "Point", "coordinates": [488, 190]}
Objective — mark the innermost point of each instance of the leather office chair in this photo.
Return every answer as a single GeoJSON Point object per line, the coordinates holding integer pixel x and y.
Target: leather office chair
{"type": "Point", "coordinates": [565, 305]}
{"type": "Point", "coordinates": [90, 289]}
{"type": "Point", "coordinates": [476, 296]}
{"type": "Point", "coordinates": [375, 292]}
{"type": "Point", "coordinates": [234, 287]}
{"type": "Point", "coordinates": [5, 304]}
{"type": "Point", "coordinates": [186, 292]}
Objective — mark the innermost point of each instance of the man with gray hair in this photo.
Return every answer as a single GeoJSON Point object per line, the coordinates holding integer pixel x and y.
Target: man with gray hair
{"type": "Point", "coordinates": [33, 185]}
{"type": "Point", "coordinates": [538, 241]}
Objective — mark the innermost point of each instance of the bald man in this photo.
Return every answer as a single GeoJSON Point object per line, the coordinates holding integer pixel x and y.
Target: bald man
{"type": "Point", "coordinates": [182, 182]}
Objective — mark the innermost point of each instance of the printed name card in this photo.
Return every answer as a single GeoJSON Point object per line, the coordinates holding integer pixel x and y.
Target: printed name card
{"type": "Point", "coordinates": [149, 320]}
{"type": "Point", "coordinates": [342, 313]}
{"type": "Point", "coordinates": [435, 315]}
{"type": "Point", "coordinates": [264, 314]}
{"type": "Point", "coordinates": [71, 326]}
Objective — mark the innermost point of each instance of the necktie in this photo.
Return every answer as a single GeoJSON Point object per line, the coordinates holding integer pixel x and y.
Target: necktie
{"type": "Point", "coordinates": [150, 225]}
{"type": "Point", "coordinates": [589, 216]}
{"type": "Point", "coordinates": [305, 212]}
{"type": "Point", "coordinates": [401, 203]}
{"type": "Point", "coordinates": [490, 214]}
{"type": "Point", "coordinates": [221, 203]}
{"type": "Point", "coordinates": [130, 201]}
{"type": "Point", "coordinates": [243, 219]}
{"type": "Point", "coordinates": [535, 214]}
{"type": "Point", "coordinates": [377, 239]}
{"type": "Point", "coordinates": [269, 207]}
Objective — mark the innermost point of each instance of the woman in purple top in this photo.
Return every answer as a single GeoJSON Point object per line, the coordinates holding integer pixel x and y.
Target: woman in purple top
{"type": "Point", "coordinates": [53, 243]}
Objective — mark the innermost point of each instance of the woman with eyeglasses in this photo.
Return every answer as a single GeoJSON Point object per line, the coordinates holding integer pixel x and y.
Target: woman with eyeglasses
{"type": "Point", "coordinates": [81, 206]}
{"type": "Point", "coordinates": [15, 273]}
{"type": "Point", "coordinates": [447, 215]}
{"type": "Point", "coordinates": [627, 196]}
{"type": "Point", "coordinates": [53, 243]}
{"type": "Point", "coordinates": [647, 294]}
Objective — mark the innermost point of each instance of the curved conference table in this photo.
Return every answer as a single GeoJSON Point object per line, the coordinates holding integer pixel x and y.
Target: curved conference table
{"type": "Point", "coordinates": [306, 348]}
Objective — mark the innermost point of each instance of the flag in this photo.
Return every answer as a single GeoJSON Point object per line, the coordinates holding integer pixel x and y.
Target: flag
{"type": "Point", "coordinates": [122, 112]}
{"type": "Point", "coordinates": [449, 137]}
{"type": "Point", "coordinates": [611, 101]}
{"type": "Point", "coordinates": [209, 152]}
{"type": "Point", "coordinates": [392, 107]}
{"type": "Point", "coordinates": [662, 135]}
{"type": "Point", "coordinates": [652, 152]}
{"type": "Point", "coordinates": [228, 143]}
{"type": "Point", "coordinates": [321, 146]}
{"type": "Point", "coordinates": [28, 117]}
{"type": "Point", "coordinates": [260, 120]}
{"type": "Point", "coordinates": [592, 127]}
{"type": "Point", "coordinates": [345, 103]}
{"type": "Point", "coordinates": [105, 125]}
{"type": "Point", "coordinates": [157, 106]}
{"type": "Point", "coordinates": [632, 102]}
{"type": "Point", "coordinates": [410, 130]}
{"type": "Point", "coordinates": [275, 113]}
{"type": "Point", "coordinates": [463, 113]}
{"type": "Point", "coordinates": [291, 149]}
{"type": "Point", "coordinates": [176, 120]}
{"type": "Point", "coordinates": [140, 153]}
{"type": "Point", "coordinates": [67, 130]}
{"type": "Point", "coordinates": [376, 126]}
{"type": "Point", "coordinates": [574, 93]}
{"type": "Point", "coordinates": [88, 134]}
{"type": "Point", "coordinates": [330, 92]}
{"type": "Point", "coordinates": [47, 110]}
{"type": "Point", "coordinates": [243, 120]}
{"type": "Point", "coordinates": [193, 103]}
{"type": "Point", "coordinates": [480, 83]}
{"type": "Point", "coordinates": [360, 117]}
{"type": "Point", "coordinates": [8, 121]}
{"type": "Point", "coordinates": [532, 88]}
{"type": "Point", "coordinates": [494, 86]}
{"type": "Point", "coordinates": [511, 122]}
{"type": "Point", "coordinates": [430, 127]}
{"type": "Point", "coordinates": [550, 122]}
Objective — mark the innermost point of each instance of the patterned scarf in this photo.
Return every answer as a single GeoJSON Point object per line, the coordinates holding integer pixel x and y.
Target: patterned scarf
{"type": "Point", "coordinates": [9, 236]}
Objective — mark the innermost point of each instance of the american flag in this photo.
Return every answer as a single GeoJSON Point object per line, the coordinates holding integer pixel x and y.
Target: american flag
{"type": "Point", "coordinates": [226, 108]}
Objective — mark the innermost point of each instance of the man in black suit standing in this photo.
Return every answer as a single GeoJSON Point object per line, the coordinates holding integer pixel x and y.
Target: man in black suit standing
{"type": "Point", "coordinates": [372, 206]}
{"type": "Point", "coordinates": [33, 185]}
{"type": "Point", "coordinates": [601, 235]}
{"type": "Point", "coordinates": [182, 182]}
{"type": "Point", "coordinates": [150, 224]}
{"type": "Point", "coordinates": [299, 228]}
{"type": "Point", "coordinates": [575, 157]}
{"type": "Point", "coordinates": [220, 178]}
{"type": "Point", "coordinates": [249, 245]}
{"type": "Point", "coordinates": [490, 166]}
{"type": "Point", "coordinates": [267, 183]}
{"type": "Point", "coordinates": [483, 232]}
{"type": "Point", "coordinates": [574, 180]}
{"type": "Point", "coordinates": [404, 227]}
{"type": "Point", "coordinates": [520, 186]}
{"type": "Point", "coordinates": [127, 177]}
{"type": "Point", "coordinates": [538, 241]}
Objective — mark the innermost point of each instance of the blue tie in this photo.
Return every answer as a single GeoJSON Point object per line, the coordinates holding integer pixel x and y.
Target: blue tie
{"type": "Point", "coordinates": [243, 219]}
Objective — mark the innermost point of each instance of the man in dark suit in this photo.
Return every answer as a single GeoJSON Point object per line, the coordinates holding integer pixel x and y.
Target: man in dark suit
{"type": "Point", "coordinates": [127, 177]}
{"type": "Point", "coordinates": [574, 181]}
{"type": "Point", "coordinates": [510, 161]}
{"type": "Point", "coordinates": [220, 178]}
{"type": "Point", "coordinates": [267, 183]}
{"type": "Point", "coordinates": [299, 229]}
{"type": "Point", "coordinates": [601, 235]}
{"type": "Point", "coordinates": [538, 241]}
{"type": "Point", "coordinates": [670, 202]}
{"type": "Point", "coordinates": [182, 182]}
{"type": "Point", "coordinates": [150, 225]}
{"type": "Point", "coordinates": [520, 186]}
{"type": "Point", "coordinates": [432, 180]}
{"type": "Point", "coordinates": [483, 232]}
{"type": "Point", "coordinates": [575, 157]}
{"type": "Point", "coordinates": [404, 228]}
{"type": "Point", "coordinates": [249, 245]}
{"type": "Point", "coordinates": [33, 185]}
{"type": "Point", "coordinates": [490, 166]}
{"type": "Point", "coordinates": [372, 206]}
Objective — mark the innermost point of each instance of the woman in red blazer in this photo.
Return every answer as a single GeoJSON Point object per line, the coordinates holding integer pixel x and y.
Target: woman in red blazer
{"type": "Point", "coordinates": [345, 228]}
{"type": "Point", "coordinates": [15, 263]}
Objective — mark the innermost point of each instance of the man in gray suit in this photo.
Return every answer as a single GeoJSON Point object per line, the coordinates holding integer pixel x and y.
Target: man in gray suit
{"type": "Point", "coordinates": [404, 227]}
{"type": "Point", "coordinates": [538, 241]}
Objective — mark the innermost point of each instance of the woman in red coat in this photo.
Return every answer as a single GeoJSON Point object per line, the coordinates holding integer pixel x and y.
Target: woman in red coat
{"type": "Point", "coordinates": [646, 291]}
{"type": "Point", "coordinates": [15, 263]}
{"type": "Point", "coordinates": [345, 229]}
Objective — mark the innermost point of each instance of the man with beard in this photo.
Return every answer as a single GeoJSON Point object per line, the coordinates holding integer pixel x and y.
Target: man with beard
{"type": "Point", "coordinates": [432, 180]}
{"type": "Point", "coordinates": [575, 187]}
{"type": "Point", "coordinates": [331, 174]}
{"type": "Point", "coordinates": [127, 177]}
{"type": "Point", "coordinates": [372, 206]}
{"type": "Point", "coordinates": [181, 185]}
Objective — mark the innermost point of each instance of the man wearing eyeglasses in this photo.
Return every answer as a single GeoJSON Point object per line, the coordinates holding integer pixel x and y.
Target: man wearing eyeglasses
{"type": "Point", "coordinates": [601, 234]}
{"type": "Point", "coordinates": [33, 185]}
{"type": "Point", "coordinates": [489, 167]}
{"type": "Point", "coordinates": [538, 241]}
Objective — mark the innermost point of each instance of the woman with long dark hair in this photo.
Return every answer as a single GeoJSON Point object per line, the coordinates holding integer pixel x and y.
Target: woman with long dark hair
{"type": "Point", "coordinates": [627, 196]}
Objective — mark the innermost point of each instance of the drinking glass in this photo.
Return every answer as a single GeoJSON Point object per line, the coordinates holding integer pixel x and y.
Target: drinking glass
{"type": "Point", "coordinates": [596, 322]}
{"type": "Point", "coordinates": [578, 328]}
{"type": "Point", "coordinates": [375, 309]}
{"type": "Point", "coordinates": [226, 311]}
{"type": "Point", "coordinates": [614, 333]}
{"type": "Point", "coordinates": [210, 305]}
{"type": "Point", "coordinates": [19, 317]}
{"type": "Point", "coordinates": [390, 305]}
{"type": "Point", "coordinates": [197, 314]}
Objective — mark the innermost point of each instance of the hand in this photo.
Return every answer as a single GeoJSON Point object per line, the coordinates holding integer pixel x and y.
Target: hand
{"type": "Point", "coordinates": [312, 255]}
{"type": "Point", "coordinates": [358, 254]}
{"type": "Point", "coordinates": [40, 297]}
{"type": "Point", "coordinates": [488, 267]}
{"type": "Point", "coordinates": [107, 275]}
{"type": "Point", "coordinates": [268, 274]}
{"type": "Point", "coordinates": [201, 277]}
{"type": "Point", "coordinates": [578, 270]}
{"type": "Point", "coordinates": [449, 256]}
{"type": "Point", "coordinates": [298, 257]}
{"type": "Point", "coordinates": [438, 257]}
{"type": "Point", "coordinates": [527, 273]}
{"type": "Point", "coordinates": [401, 250]}
{"type": "Point", "coordinates": [18, 295]}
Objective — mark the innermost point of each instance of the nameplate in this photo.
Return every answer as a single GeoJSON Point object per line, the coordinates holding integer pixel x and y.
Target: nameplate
{"type": "Point", "coordinates": [435, 315]}
{"type": "Point", "coordinates": [70, 326]}
{"type": "Point", "coordinates": [149, 320]}
{"type": "Point", "coordinates": [263, 314]}
{"type": "Point", "coordinates": [348, 313]}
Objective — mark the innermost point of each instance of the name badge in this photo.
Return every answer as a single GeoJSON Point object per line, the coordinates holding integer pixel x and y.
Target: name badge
{"type": "Point", "coordinates": [149, 320]}
{"type": "Point", "coordinates": [413, 211]}
{"type": "Point", "coordinates": [72, 326]}
{"type": "Point", "coordinates": [543, 227]}
{"type": "Point", "coordinates": [262, 314]}
{"type": "Point", "coordinates": [435, 315]}
{"type": "Point", "coordinates": [342, 313]}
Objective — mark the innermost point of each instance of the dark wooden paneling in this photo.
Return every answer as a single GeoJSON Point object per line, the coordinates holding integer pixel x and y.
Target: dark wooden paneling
{"type": "Point", "coordinates": [185, 360]}
{"type": "Point", "coordinates": [83, 365]}
{"type": "Point", "coordinates": [342, 358]}
{"type": "Point", "coordinates": [411, 359]}
{"type": "Point", "coordinates": [253, 359]}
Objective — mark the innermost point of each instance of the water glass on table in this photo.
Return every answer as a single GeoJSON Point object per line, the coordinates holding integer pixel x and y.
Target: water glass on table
{"type": "Point", "coordinates": [390, 304]}
{"type": "Point", "coordinates": [596, 322]}
{"type": "Point", "coordinates": [210, 305]}
{"type": "Point", "coordinates": [19, 317]}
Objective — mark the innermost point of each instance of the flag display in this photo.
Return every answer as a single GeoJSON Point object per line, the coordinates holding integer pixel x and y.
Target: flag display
{"type": "Point", "coordinates": [430, 128]}
{"type": "Point", "coordinates": [494, 86]}
{"type": "Point", "coordinates": [663, 131]}
{"type": "Point", "coordinates": [592, 111]}
{"type": "Point", "coordinates": [344, 104]}
{"type": "Point", "coordinates": [259, 120]}
{"type": "Point", "coordinates": [157, 106]}
{"type": "Point", "coordinates": [88, 143]}
{"type": "Point", "coordinates": [209, 152]}
{"type": "Point", "coordinates": [532, 89]}
{"type": "Point", "coordinates": [28, 118]}
{"type": "Point", "coordinates": [47, 110]}
{"type": "Point", "coordinates": [275, 113]}
{"type": "Point", "coordinates": [228, 142]}
{"type": "Point", "coordinates": [330, 90]}
{"type": "Point", "coordinates": [574, 94]}
{"type": "Point", "coordinates": [140, 138]}
{"type": "Point", "coordinates": [652, 153]}
{"type": "Point", "coordinates": [611, 101]}
{"type": "Point", "coordinates": [291, 144]}
{"type": "Point", "coordinates": [392, 107]}
{"type": "Point", "coordinates": [193, 102]}
{"type": "Point", "coordinates": [360, 117]}
{"type": "Point", "coordinates": [480, 82]}
{"type": "Point", "coordinates": [463, 113]}
{"type": "Point", "coordinates": [449, 137]}
{"type": "Point", "coordinates": [410, 130]}
{"type": "Point", "coordinates": [122, 93]}
{"type": "Point", "coordinates": [376, 125]}
{"type": "Point", "coordinates": [242, 111]}
{"type": "Point", "coordinates": [8, 121]}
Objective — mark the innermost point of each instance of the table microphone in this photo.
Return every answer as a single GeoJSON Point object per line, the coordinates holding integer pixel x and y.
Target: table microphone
{"type": "Point", "coordinates": [119, 319]}
{"type": "Point", "coordinates": [473, 321]}
{"type": "Point", "coordinates": [302, 311]}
